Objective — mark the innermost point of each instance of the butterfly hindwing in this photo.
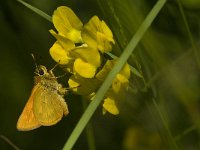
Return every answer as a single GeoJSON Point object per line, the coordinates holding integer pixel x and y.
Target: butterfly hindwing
{"type": "Point", "coordinates": [48, 106]}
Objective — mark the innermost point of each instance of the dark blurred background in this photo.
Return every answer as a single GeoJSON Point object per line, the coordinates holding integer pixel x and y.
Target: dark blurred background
{"type": "Point", "coordinates": [23, 32]}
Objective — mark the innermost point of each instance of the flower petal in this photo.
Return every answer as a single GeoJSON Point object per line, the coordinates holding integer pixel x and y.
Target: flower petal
{"type": "Point", "coordinates": [110, 106]}
{"type": "Point", "coordinates": [84, 69]}
{"type": "Point", "coordinates": [104, 44]}
{"type": "Point", "coordinates": [89, 33]}
{"type": "Point", "coordinates": [59, 54]}
{"type": "Point", "coordinates": [67, 23]}
{"type": "Point", "coordinates": [66, 43]}
{"type": "Point", "coordinates": [97, 35]}
{"type": "Point", "coordinates": [87, 54]}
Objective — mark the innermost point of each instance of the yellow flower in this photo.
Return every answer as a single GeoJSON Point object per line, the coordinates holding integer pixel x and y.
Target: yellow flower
{"type": "Point", "coordinates": [85, 60]}
{"type": "Point", "coordinates": [67, 24]}
{"type": "Point", "coordinates": [96, 34]}
{"type": "Point", "coordinates": [76, 60]}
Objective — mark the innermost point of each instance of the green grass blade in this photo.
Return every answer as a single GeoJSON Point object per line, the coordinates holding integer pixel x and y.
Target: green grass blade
{"type": "Point", "coordinates": [36, 10]}
{"type": "Point", "coordinates": [108, 81]}
{"type": "Point", "coordinates": [89, 129]}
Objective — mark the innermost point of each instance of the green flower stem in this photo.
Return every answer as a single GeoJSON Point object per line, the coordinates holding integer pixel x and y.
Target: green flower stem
{"type": "Point", "coordinates": [108, 81]}
{"type": "Point", "coordinates": [36, 10]}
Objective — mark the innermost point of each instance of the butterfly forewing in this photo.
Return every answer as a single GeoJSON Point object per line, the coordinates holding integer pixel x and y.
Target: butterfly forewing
{"type": "Point", "coordinates": [27, 120]}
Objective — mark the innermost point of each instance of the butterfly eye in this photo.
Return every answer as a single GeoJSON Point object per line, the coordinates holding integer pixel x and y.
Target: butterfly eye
{"type": "Point", "coordinates": [41, 72]}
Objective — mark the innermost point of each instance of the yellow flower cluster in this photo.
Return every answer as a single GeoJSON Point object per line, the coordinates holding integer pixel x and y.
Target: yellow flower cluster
{"type": "Point", "coordinates": [80, 50]}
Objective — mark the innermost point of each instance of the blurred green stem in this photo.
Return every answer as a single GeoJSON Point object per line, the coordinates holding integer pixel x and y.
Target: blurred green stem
{"type": "Point", "coordinates": [185, 132]}
{"type": "Point", "coordinates": [171, 138]}
{"type": "Point", "coordinates": [172, 143]}
{"type": "Point", "coordinates": [9, 142]}
{"type": "Point", "coordinates": [166, 69]}
{"type": "Point", "coordinates": [195, 50]}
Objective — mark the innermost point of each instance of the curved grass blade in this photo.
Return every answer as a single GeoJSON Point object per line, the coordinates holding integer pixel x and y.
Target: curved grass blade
{"type": "Point", "coordinates": [36, 10]}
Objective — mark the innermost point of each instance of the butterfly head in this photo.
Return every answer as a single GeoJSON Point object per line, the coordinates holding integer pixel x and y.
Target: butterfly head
{"type": "Point", "coordinates": [41, 71]}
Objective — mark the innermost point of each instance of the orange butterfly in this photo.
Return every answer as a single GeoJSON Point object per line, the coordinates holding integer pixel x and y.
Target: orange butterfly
{"type": "Point", "coordinates": [46, 105]}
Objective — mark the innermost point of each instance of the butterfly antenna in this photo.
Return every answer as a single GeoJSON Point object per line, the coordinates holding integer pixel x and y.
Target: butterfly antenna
{"type": "Point", "coordinates": [36, 65]}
